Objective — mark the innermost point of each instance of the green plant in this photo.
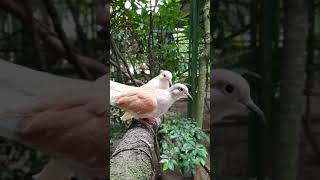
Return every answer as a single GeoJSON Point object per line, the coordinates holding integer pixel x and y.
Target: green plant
{"type": "Point", "coordinates": [118, 127]}
{"type": "Point", "coordinates": [180, 146]}
{"type": "Point", "coordinates": [161, 42]}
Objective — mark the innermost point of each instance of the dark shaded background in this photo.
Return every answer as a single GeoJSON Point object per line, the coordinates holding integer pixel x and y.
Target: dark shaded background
{"type": "Point", "coordinates": [274, 45]}
{"type": "Point", "coordinates": [66, 38]}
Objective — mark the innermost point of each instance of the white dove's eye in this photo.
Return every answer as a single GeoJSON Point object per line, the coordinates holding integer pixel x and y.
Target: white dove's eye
{"type": "Point", "coordinates": [180, 89]}
{"type": "Point", "coordinates": [164, 75]}
{"type": "Point", "coordinates": [229, 88]}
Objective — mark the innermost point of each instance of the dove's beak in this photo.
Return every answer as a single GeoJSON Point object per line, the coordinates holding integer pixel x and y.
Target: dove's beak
{"type": "Point", "coordinates": [254, 108]}
{"type": "Point", "coordinates": [189, 96]}
{"type": "Point", "coordinates": [170, 82]}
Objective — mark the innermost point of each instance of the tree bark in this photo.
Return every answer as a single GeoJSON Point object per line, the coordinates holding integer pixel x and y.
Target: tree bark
{"type": "Point", "coordinates": [132, 159]}
{"type": "Point", "coordinates": [203, 67]}
{"type": "Point", "coordinates": [292, 85]}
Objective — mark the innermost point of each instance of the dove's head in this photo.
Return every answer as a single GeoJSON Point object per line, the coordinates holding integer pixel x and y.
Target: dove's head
{"type": "Point", "coordinates": [228, 88]}
{"type": "Point", "coordinates": [166, 75]}
{"type": "Point", "coordinates": [179, 91]}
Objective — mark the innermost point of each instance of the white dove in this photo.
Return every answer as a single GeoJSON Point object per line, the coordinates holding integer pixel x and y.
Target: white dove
{"type": "Point", "coordinates": [149, 102]}
{"type": "Point", "coordinates": [162, 81]}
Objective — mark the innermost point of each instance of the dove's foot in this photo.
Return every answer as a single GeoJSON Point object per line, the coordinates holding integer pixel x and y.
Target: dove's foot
{"type": "Point", "coordinates": [149, 123]}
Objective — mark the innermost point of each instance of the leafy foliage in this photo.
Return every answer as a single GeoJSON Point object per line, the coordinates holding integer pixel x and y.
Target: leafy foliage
{"type": "Point", "coordinates": [118, 127]}
{"type": "Point", "coordinates": [151, 34]}
{"type": "Point", "coordinates": [180, 147]}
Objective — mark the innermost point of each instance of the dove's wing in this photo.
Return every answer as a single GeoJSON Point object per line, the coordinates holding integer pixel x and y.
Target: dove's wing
{"type": "Point", "coordinates": [53, 125]}
{"type": "Point", "coordinates": [139, 101]}
{"type": "Point", "coordinates": [115, 86]}
{"type": "Point", "coordinates": [117, 89]}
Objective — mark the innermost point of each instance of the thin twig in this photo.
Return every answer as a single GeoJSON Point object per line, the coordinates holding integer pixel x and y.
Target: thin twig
{"type": "Point", "coordinates": [42, 64]}
{"type": "Point", "coordinates": [73, 59]}
{"type": "Point", "coordinates": [50, 37]}
{"type": "Point", "coordinates": [117, 52]}
{"type": "Point", "coordinates": [80, 33]}
{"type": "Point", "coordinates": [124, 72]}
{"type": "Point", "coordinates": [206, 169]}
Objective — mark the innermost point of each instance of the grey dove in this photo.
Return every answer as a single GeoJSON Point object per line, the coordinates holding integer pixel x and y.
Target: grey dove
{"type": "Point", "coordinates": [230, 99]}
{"type": "Point", "coordinates": [57, 116]}
{"type": "Point", "coordinates": [229, 89]}
{"type": "Point", "coordinates": [149, 102]}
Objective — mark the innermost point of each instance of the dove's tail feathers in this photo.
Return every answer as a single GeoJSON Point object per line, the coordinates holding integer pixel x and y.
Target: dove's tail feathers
{"type": "Point", "coordinates": [8, 124]}
{"type": "Point", "coordinates": [113, 96]}
{"type": "Point", "coordinates": [126, 116]}
{"type": "Point", "coordinates": [120, 87]}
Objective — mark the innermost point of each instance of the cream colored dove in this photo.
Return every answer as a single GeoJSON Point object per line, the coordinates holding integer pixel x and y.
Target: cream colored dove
{"type": "Point", "coordinates": [162, 81]}
{"type": "Point", "coordinates": [149, 102]}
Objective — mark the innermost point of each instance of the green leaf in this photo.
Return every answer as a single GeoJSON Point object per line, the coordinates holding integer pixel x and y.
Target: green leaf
{"type": "Point", "coordinates": [163, 161]}
{"type": "Point", "coordinates": [170, 165]}
{"type": "Point", "coordinates": [202, 161]}
{"type": "Point", "coordinates": [165, 166]}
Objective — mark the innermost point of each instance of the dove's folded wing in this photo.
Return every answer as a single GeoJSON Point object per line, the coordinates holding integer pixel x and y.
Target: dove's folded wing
{"type": "Point", "coordinates": [53, 128]}
{"type": "Point", "coordinates": [117, 89]}
{"type": "Point", "coordinates": [137, 102]}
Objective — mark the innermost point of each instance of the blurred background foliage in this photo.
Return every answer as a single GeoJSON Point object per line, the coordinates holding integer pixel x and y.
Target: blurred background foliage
{"type": "Point", "coordinates": [151, 35]}
{"type": "Point", "coordinates": [28, 37]}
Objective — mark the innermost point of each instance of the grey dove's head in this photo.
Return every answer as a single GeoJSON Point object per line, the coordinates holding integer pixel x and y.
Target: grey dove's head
{"type": "Point", "coordinates": [179, 91]}
{"type": "Point", "coordinates": [228, 87]}
{"type": "Point", "coordinates": [166, 75]}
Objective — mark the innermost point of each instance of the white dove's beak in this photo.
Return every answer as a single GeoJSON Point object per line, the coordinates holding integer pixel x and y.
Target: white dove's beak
{"type": "Point", "coordinates": [170, 82]}
{"type": "Point", "coordinates": [189, 96]}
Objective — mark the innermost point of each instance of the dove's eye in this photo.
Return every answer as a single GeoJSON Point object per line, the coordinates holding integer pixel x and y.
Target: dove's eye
{"type": "Point", "coordinates": [164, 75]}
{"type": "Point", "coordinates": [229, 88]}
{"type": "Point", "coordinates": [180, 89]}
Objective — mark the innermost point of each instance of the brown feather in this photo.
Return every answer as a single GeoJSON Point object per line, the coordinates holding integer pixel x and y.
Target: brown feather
{"type": "Point", "coordinates": [137, 102]}
{"type": "Point", "coordinates": [74, 127]}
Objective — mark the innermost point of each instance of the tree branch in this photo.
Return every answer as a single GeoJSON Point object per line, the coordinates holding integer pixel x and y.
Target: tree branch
{"type": "Point", "coordinates": [41, 63]}
{"type": "Point", "coordinates": [50, 37]}
{"type": "Point", "coordinates": [132, 158]}
{"type": "Point", "coordinates": [117, 52]}
{"type": "Point", "coordinates": [73, 59]}
{"type": "Point", "coordinates": [124, 72]}
{"type": "Point", "coordinates": [82, 37]}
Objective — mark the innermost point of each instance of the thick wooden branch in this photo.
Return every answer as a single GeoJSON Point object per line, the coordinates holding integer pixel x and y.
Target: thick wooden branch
{"type": "Point", "coordinates": [132, 158]}
{"type": "Point", "coordinates": [135, 157]}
